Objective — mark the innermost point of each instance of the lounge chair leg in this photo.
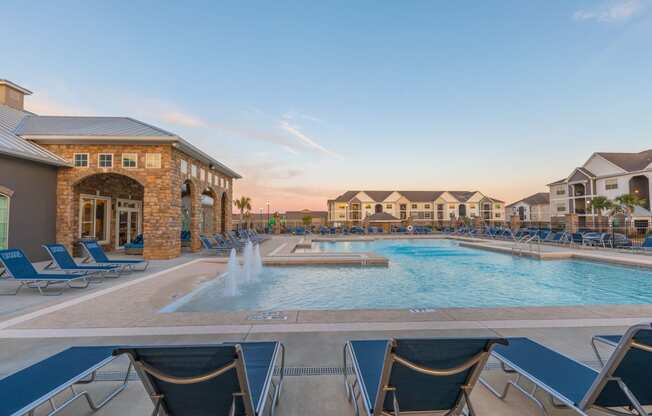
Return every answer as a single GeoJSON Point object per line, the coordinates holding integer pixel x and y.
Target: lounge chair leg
{"type": "Point", "coordinates": [514, 383]}
{"type": "Point", "coordinates": [14, 293]}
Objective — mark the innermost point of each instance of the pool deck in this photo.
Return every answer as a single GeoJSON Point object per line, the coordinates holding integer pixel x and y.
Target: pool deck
{"type": "Point", "coordinates": [125, 311]}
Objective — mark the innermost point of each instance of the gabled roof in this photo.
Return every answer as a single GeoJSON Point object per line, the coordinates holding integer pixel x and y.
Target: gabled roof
{"type": "Point", "coordinates": [346, 196]}
{"type": "Point", "coordinates": [34, 125]}
{"type": "Point", "coordinates": [540, 198]}
{"type": "Point", "coordinates": [378, 196]}
{"type": "Point", "coordinates": [380, 217]}
{"type": "Point", "coordinates": [559, 182]}
{"type": "Point", "coordinates": [631, 162]}
{"type": "Point", "coordinates": [13, 145]}
{"type": "Point", "coordinates": [462, 196]}
{"type": "Point", "coordinates": [421, 196]}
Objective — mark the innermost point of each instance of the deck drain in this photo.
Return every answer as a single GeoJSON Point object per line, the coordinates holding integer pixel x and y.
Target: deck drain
{"type": "Point", "coordinates": [267, 316]}
{"type": "Point", "coordinates": [422, 310]}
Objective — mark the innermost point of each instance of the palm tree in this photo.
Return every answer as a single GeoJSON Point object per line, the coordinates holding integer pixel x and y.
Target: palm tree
{"type": "Point", "coordinates": [243, 204]}
{"type": "Point", "coordinates": [601, 204]}
{"type": "Point", "coordinates": [626, 203]}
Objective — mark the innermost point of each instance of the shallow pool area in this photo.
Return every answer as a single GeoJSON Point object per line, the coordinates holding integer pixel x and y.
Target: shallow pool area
{"type": "Point", "coordinates": [425, 274]}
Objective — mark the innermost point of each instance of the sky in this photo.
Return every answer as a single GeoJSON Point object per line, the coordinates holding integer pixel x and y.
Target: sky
{"type": "Point", "coordinates": [309, 99]}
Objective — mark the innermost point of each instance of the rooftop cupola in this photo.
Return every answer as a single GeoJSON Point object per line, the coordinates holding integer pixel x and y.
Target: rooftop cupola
{"type": "Point", "coordinates": [12, 95]}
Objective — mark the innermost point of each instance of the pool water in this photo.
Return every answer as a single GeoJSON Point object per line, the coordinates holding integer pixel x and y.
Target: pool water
{"type": "Point", "coordinates": [430, 274]}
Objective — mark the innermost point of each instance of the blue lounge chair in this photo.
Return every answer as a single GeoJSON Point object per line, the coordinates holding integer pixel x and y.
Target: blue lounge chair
{"type": "Point", "coordinates": [620, 388]}
{"type": "Point", "coordinates": [398, 376]}
{"type": "Point", "coordinates": [222, 379]}
{"type": "Point", "coordinates": [646, 245]}
{"type": "Point", "coordinates": [96, 253]}
{"type": "Point", "coordinates": [21, 269]}
{"type": "Point", "coordinates": [217, 248]}
{"type": "Point", "coordinates": [136, 246]}
{"type": "Point", "coordinates": [25, 390]}
{"type": "Point", "coordinates": [65, 262]}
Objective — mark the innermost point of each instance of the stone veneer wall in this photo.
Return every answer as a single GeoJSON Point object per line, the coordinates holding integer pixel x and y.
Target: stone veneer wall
{"type": "Point", "coordinates": [161, 193]}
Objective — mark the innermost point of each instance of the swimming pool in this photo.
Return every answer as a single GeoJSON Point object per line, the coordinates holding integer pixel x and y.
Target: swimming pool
{"type": "Point", "coordinates": [430, 274]}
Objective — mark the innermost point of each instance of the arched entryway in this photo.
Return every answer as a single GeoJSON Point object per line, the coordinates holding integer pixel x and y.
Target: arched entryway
{"type": "Point", "coordinates": [640, 186]}
{"type": "Point", "coordinates": [108, 207]}
{"type": "Point", "coordinates": [378, 208]}
{"type": "Point", "coordinates": [209, 212]}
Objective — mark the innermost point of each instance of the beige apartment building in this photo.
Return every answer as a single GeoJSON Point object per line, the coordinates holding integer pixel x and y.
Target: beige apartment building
{"type": "Point", "coordinates": [386, 208]}
{"type": "Point", "coordinates": [534, 208]}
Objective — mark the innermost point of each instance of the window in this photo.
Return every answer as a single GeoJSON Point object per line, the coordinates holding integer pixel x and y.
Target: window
{"type": "Point", "coordinates": [497, 215]}
{"type": "Point", "coordinates": [202, 174]}
{"type": "Point", "coordinates": [561, 208]}
{"type": "Point", "coordinates": [427, 215]}
{"type": "Point", "coordinates": [105, 160]}
{"type": "Point", "coordinates": [368, 206]}
{"type": "Point", "coordinates": [355, 207]}
{"type": "Point", "coordinates": [451, 207]}
{"type": "Point", "coordinates": [427, 206]}
{"type": "Point", "coordinates": [183, 167]}
{"type": "Point", "coordinates": [498, 206]}
{"type": "Point", "coordinates": [193, 170]}
{"type": "Point", "coordinates": [388, 206]}
{"type": "Point", "coordinates": [560, 191]}
{"type": "Point", "coordinates": [414, 206]}
{"type": "Point", "coordinates": [209, 178]}
{"type": "Point", "coordinates": [611, 184]}
{"type": "Point", "coordinates": [226, 184]}
{"type": "Point", "coordinates": [81, 160]}
{"type": "Point", "coordinates": [129, 160]}
{"type": "Point", "coordinates": [153, 160]}
{"type": "Point", "coordinates": [440, 207]}
{"type": "Point", "coordinates": [472, 206]}
{"type": "Point", "coordinates": [4, 221]}
{"type": "Point", "coordinates": [94, 217]}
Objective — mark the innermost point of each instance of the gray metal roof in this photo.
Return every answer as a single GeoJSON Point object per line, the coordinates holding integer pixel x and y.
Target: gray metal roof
{"type": "Point", "coordinates": [34, 125]}
{"type": "Point", "coordinates": [62, 128]}
{"type": "Point", "coordinates": [12, 145]}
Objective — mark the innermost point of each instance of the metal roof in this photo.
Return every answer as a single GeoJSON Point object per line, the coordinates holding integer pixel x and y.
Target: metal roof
{"type": "Point", "coordinates": [13, 145]}
{"type": "Point", "coordinates": [34, 125]}
{"type": "Point", "coordinates": [120, 129]}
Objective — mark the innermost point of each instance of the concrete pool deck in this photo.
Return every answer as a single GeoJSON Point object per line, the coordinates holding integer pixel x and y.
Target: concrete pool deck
{"type": "Point", "coordinates": [126, 311]}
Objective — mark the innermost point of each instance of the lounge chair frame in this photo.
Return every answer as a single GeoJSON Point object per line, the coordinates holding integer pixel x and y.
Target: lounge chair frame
{"type": "Point", "coordinates": [124, 267]}
{"type": "Point", "coordinates": [43, 283]}
{"type": "Point", "coordinates": [54, 265]}
{"type": "Point", "coordinates": [354, 389]}
{"type": "Point", "coordinates": [145, 372]}
{"type": "Point", "coordinates": [588, 401]}
{"type": "Point", "coordinates": [87, 377]}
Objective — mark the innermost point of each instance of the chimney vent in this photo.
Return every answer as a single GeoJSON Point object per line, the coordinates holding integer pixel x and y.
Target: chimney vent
{"type": "Point", "coordinates": [12, 95]}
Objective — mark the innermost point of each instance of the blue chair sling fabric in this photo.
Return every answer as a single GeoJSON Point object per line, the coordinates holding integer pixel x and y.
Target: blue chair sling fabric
{"type": "Point", "coordinates": [26, 389]}
{"type": "Point", "coordinates": [414, 390]}
{"type": "Point", "coordinates": [64, 260]}
{"type": "Point", "coordinates": [579, 386]}
{"type": "Point", "coordinates": [98, 255]}
{"type": "Point", "coordinates": [21, 268]}
{"type": "Point", "coordinates": [212, 396]}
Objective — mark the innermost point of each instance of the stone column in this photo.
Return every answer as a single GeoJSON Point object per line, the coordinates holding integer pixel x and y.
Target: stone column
{"type": "Point", "coordinates": [65, 232]}
{"type": "Point", "coordinates": [514, 222]}
{"type": "Point", "coordinates": [216, 213]}
{"type": "Point", "coordinates": [572, 223]}
{"type": "Point", "coordinates": [229, 207]}
{"type": "Point", "coordinates": [195, 218]}
{"type": "Point", "coordinates": [162, 215]}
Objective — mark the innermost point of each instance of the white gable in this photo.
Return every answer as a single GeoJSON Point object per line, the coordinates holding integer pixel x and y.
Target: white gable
{"type": "Point", "coordinates": [600, 166]}
{"type": "Point", "coordinates": [447, 197]}
{"type": "Point", "coordinates": [393, 197]}
{"type": "Point", "coordinates": [476, 197]}
{"type": "Point", "coordinates": [363, 197]}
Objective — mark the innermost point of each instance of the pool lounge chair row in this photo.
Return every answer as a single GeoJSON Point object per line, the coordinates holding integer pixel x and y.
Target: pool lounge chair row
{"type": "Point", "coordinates": [381, 377]}
{"type": "Point", "coordinates": [75, 276]}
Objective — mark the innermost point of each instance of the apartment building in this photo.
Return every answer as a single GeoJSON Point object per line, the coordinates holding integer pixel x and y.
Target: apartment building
{"type": "Point", "coordinates": [603, 174]}
{"type": "Point", "coordinates": [388, 208]}
{"type": "Point", "coordinates": [534, 208]}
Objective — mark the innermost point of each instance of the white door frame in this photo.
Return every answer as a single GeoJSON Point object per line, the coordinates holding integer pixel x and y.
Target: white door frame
{"type": "Point", "coordinates": [138, 210]}
{"type": "Point", "coordinates": [107, 215]}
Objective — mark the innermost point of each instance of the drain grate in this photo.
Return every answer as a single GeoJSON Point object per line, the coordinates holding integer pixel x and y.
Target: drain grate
{"type": "Point", "coordinates": [422, 310]}
{"type": "Point", "coordinates": [268, 316]}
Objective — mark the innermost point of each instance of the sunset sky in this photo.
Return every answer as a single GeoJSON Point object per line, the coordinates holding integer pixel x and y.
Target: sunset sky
{"type": "Point", "coordinates": [308, 99]}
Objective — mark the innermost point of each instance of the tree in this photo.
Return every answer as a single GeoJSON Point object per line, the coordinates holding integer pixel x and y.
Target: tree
{"type": "Point", "coordinates": [307, 221]}
{"type": "Point", "coordinates": [600, 204]}
{"type": "Point", "coordinates": [243, 204]}
{"type": "Point", "coordinates": [626, 203]}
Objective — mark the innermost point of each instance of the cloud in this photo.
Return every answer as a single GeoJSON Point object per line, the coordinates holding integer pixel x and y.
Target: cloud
{"type": "Point", "coordinates": [182, 119]}
{"type": "Point", "coordinates": [298, 134]}
{"type": "Point", "coordinates": [612, 11]}
{"type": "Point", "coordinates": [294, 115]}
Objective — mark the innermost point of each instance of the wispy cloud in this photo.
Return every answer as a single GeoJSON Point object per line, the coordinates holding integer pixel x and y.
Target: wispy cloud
{"type": "Point", "coordinates": [295, 115]}
{"type": "Point", "coordinates": [611, 11]}
{"type": "Point", "coordinates": [298, 134]}
{"type": "Point", "coordinates": [43, 105]}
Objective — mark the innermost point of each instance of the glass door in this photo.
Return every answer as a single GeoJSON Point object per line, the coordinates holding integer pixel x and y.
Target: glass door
{"type": "Point", "coordinates": [128, 221]}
